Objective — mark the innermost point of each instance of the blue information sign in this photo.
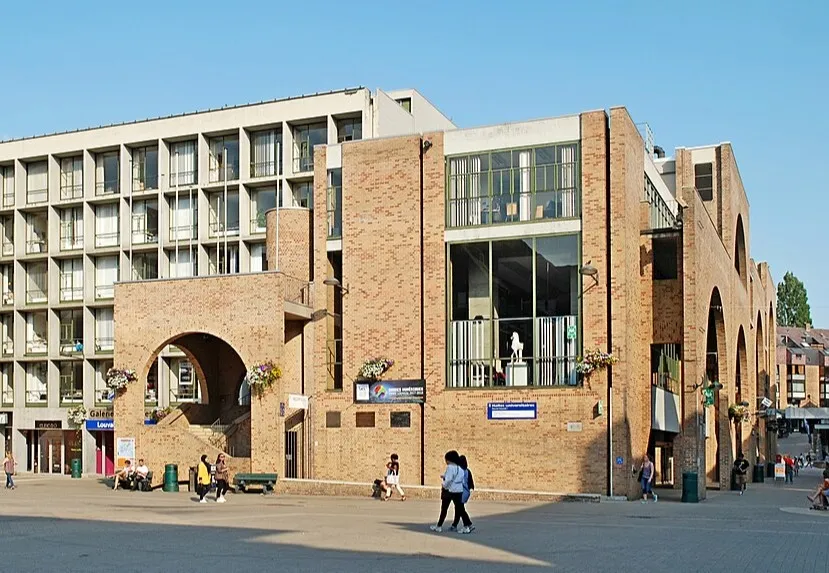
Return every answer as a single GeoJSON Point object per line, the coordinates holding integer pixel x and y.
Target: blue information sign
{"type": "Point", "coordinates": [620, 460]}
{"type": "Point", "coordinates": [512, 411]}
{"type": "Point", "coordinates": [98, 425]}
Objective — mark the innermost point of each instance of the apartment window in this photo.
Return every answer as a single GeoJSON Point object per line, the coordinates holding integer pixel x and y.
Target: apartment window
{"type": "Point", "coordinates": [258, 258]}
{"type": "Point", "coordinates": [7, 284]}
{"type": "Point", "coordinates": [145, 222]}
{"type": "Point", "coordinates": [365, 419]}
{"type": "Point", "coordinates": [37, 282]}
{"type": "Point", "coordinates": [71, 332]}
{"type": "Point", "coordinates": [103, 394]}
{"type": "Point", "coordinates": [405, 103]}
{"type": "Point", "coordinates": [107, 225]}
{"type": "Point", "coordinates": [305, 138]}
{"type": "Point", "coordinates": [7, 385]}
{"type": "Point", "coordinates": [7, 236]}
{"type": "Point", "coordinates": [183, 164]}
{"type": "Point", "coordinates": [36, 383]}
{"type": "Point", "coordinates": [303, 194]}
{"type": "Point", "coordinates": [400, 419]}
{"type": "Point", "coordinates": [666, 367]}
{"type": "Point", "coordinates": [224, 159]}
{"type": "Point", "coordinates": [144, 168]}
{"type": "Point", "coordinates": [106, 275]}
{"type": "Point", "coordinates": [71, 381]}
{"type": "Point", "coordinates": [513, 293]}
{"type": "Point", "coordinates": [7, 325]}
{"type": "Point", "coordinates": [145, 266]}
{"type": "Point", "coordinates": [107, 173]}
{"type": "Point", "coordinates": [104, 330]}
{"type": "Point", "coordinates": [824, 387]}
{"type": "Point", "coordinates": [183, 263]}
{"type": "Point", "coordinates": [37, 233]}
{"type": "Point", "coordinates": [514, 186]}
{"type": "Point", "coordinates": [184, 216]}
{"type": "Point", "coordinates": [37, 332]}
{"type": "Point", "coordinates": [223, 261]}
{"type": "Point", "coordinates": [184, 383]}
{"type": "Point", "coordinates": [71, 229]}
{"type": "Point", "coordinates": [7, 185]}
{"type": "Point", "coordinates": [333, 419]}
{"type": "Point", "coordinates": [266, 153]}
{"type": "Point", "coordinates": [665, 259]}
{"type": "Point", "coordinates": [334, 201]}
{"type": "Point", "coordinates": [71, 177]}
{"type": "Point", "coordinates": [37, 182]}
{"type": "Point", "coordinates": [261, 201]}
{"type": "Point", "coordinates": [349, 129]}
{"type": "Point", "coordinates": [704, 180]}
{"type": "Point", "coordinates": [224, 214]}
{"type": "Point", "coordinates": [71, 279]}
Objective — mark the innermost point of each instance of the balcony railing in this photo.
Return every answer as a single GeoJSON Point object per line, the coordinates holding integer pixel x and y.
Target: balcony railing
{"type": "Point", "coordinates": [34, 196]}
{"type": "Point", "coordinates": [144, 184]}
{"type": "Point", "coordinates": [8, 298]}
{"type": "Point", "coordinates": [297, 290]}
{"type": "Point", "coordinates": [8, 348]}
{"type": "Point", "coordinates": [107, 239]}
{"type": "Point", "coordinates": [104, 291]}
{"type": "Point", "coordinates": [36, 246]}
{"type": "Point", "coordinates": [68, 192]}
{"type": "Point", "coordinates": [8, 199]}
{"type": "Point", "coordinates": [257, 224]}
{"type": "Point", "coordinates": [217, 229]}
{"type": "Point", "coordinates": [69, 391]}
{"type": "Point", "coordinates": [665, 381]}
{"type": "Point", "coordinates": [104, 344]}
{"type": "Point", "coordinates": [263, 169]}
{"type": "Point", "coordinates": [71, 293]}
{"type": "Point", "coordinates": [8, 248]}
{"type": "Point", "coordinates": [106, 187]}
{"type": "Point", "coordinates": [8, 397]}
{"type": "Point", "coordinates": [37, 346]}
{"type": "Point", "coordinates": [103, 395]}
{"type": "Point", "coordinates": [35, 296]}
{"type": "Point", "coordinates": [36, 396]}
{"type": "Point", "coordinates": [71, 346]}
{"type": "Point", "coordinates": [71, 243]}
{"type": "Point", "coordinates": [335, 213]}
{"type": "Point", "coordinates": [183, 232]}
{"type": "Point", "coordinates": [662, 213]}
{"type": "Point", "coordinates": [148, 237]}
{"type": "Point", "coordinates": [303, 163]}
{"type": "Point", "coordinates": [182, 179]}
{"type": "Point", "coordinates": [217, 174]}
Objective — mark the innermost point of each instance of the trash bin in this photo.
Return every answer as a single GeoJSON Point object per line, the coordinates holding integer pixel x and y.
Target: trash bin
{"type": "Point", "coordinates": [191, 479]}
{"type": "Point", "coordinates": [759, 475]}
{"type": "Point", "coordinates": [770, 470]}
{"type": "Point", "coordinates": [170, 478]}
{"type": "Point", "coordinates": [690, 487]}
{"type": "Point", "coordinates": [75, 466]}
{"type": "Point", "coordinates": [734, 485]}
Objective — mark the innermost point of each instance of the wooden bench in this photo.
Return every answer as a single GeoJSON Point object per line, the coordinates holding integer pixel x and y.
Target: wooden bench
{"type": "Point", "coordinates": [266, 481]}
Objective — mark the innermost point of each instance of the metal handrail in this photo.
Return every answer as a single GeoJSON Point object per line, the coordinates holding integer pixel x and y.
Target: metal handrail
{"type": "Point", "coordinates": [71, 293]}
{"type": "Point", "coordinates": [39, 243]}
{"type": "Point", "coordinates": [107, 239]}
{"type": "Point", "coordinates": [71, 243]}
{"type": "Point", "coordinates": [263, 169]}
{"type": "Point", "coordinates": [297, 291]}
{"type": "Point", "coordinates": [183, 178]}
{"type": "Point", "coordinates": [104, 344]}
{"type": "Point", "coordinates": [36, 295]}
{"type": "Point", "coordinates": [217, 174]}
{"type": "Point", "coordinates": [37, 195]}
{"type": "Point", "coordinates": [68, 391]}
{"type": "Point", "coordinates": [71, 191]}
{"type": "Point", "coordinates": [104, 291]}
{"type": "Point", "coordinates": [37, 346]}
{"type": "Point", "coordinates": [107, 187]}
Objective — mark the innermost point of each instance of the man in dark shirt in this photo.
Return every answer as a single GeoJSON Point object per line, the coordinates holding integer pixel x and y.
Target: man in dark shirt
{"type": "Point", "coordinates": [741, 466]}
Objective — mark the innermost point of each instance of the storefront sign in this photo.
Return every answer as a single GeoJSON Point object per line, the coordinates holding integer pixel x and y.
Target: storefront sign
{"type": "Point", "coordinates": [390, 392]}
{"type": "Point", "coordinates": [297, 402]}
{"type": "Point", "coordinates": [100, 425]}
{"type": "Point", "coordinates": [48, 425]}
{"type": "Point", "coordinates": [512, 411]}
{"type": "Point", "coordinates": [124, 450]}
{"type": "Point", "coordinates": [100, 414]}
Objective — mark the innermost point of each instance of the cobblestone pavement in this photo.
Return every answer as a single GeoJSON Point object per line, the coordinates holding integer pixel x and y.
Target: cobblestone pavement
{"type": "Point", "coordinates": [57, 524]}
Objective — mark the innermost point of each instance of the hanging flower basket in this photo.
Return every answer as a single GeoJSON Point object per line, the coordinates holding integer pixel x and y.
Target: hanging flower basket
{"type": "Point", "coordinates": [118, 378]}
{"type": "Point", "coordinates": [262, 376]}
{"type": "Point", "coordinates": [76, 415]}
{"type": "Point", "coordinates": [373, 369]}
{"type": "Point", "coordinates": [594, 360]}
{"type": "Point", "coordinates": [738, 413]}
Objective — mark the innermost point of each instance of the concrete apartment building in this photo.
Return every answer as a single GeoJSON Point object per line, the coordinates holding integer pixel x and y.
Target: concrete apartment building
{"type": "Point", "coordinates": [172, 197]}
{"type": "Point", "coordinates": [484, 262]}
{"type": "Point", "coordinates": [801, 367]}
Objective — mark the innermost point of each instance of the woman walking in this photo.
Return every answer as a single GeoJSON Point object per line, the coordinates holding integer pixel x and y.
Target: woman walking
{"type": "Point", "coordinates": [468, 487]}
{"type": "Point", "coordinates": [203, 478]}
{"type": "Point", "coordinates": [646, 475]}
{"type": "Point", "coordinates": [8, 467]}
{"type": "Point", "coordinates": [221, 478]}
{"type": "Point", "coordinates": [452, 492]}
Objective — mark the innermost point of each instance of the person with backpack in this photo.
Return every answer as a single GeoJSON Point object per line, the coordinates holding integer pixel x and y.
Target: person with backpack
{"type": "Point", "coordinates": [741, 466]}
{"type": "Point", "coordinates": [452, 493]}
{"type": "Point", "coordinates": [468, 487]}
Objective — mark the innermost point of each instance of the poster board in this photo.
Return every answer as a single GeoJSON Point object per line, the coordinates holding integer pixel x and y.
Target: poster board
{"type": "Point", "coordinates": [780, 471]}
{"type": "Point", "coordinates": [124, 450]}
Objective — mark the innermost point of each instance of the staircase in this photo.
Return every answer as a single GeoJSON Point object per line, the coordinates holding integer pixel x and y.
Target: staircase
{"type": "Point", "coordinates": [218, 434]}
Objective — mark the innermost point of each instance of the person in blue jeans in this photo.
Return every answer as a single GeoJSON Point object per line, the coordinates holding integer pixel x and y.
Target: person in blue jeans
{"type": "Point", "coordinates": [646, 475]}
{"type": "Point", "coordinates": [468, 486]}
{"type": "Point", "coordinates": [8, 467]}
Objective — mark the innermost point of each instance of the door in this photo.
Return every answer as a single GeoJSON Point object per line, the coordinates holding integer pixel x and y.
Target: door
{"type": "Point", "coordinates": [109, 453]}
{"type": "Point", "coordinates": [291, 454]}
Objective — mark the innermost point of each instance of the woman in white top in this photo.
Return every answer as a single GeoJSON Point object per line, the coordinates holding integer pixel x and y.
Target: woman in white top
{"type": "Point", "coordinates": [452, 492]}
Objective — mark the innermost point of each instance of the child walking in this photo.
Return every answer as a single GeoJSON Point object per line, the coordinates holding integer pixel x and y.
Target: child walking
{"type": "Point", "coordinates": [393, 478]}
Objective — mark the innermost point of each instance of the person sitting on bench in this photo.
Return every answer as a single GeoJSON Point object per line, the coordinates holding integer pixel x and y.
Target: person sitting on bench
{"type": "Point", "coordinates": [140, 476]}
{"type": "Point", "coordinates": [124, 477]}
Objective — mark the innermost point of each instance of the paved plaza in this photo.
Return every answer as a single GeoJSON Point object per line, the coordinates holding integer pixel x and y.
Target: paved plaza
{"type": "Point", "coordinates": [58, 524]}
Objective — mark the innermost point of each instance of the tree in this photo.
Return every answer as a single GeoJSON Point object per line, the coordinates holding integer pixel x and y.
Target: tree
{"type": "Point", "coordinates": [792, 302]}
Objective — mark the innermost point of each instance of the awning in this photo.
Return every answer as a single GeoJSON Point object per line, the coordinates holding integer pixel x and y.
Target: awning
{"type": "Point", "coordinates": [793, 413]}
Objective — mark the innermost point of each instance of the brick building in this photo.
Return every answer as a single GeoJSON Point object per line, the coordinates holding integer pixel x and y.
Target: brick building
{"type": "Point", "coordinates": [484, 262]}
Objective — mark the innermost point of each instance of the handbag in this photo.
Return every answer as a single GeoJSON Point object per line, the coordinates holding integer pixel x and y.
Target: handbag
{"type": "Point", "coordinates": [392, 479]}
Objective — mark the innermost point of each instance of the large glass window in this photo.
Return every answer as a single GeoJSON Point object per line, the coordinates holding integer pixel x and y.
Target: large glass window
{"type": "Point", "coordinates": [145, 222]}
{"type": "Point", "coordinates": [37, 233]}
{"type": "Point", "coordinates": [107, 225]}
{"type": "Point", "coordinates": [71, 382]}
{"type": "Point", "coordinates": [349, 129]}
{"type": "Point", "coordinates": [71, 177]}
{"type": "Point", "coordinates": [144, 266]}
{"type": "Point", "coordinates": [104, 329]}
{"type": "Point", "coordinates": [666, 367]}
{"type": "Point", "coordinates": [513, 186]}
{"type": "Point", "coordinates": [37, 282]}
{"type": "Point", "coordinates": [334, 201]}
{"type": "Point", "coordinates": [305, 138]}
{"type": "Point", "coordinates": [36, 382]}
{"type": "Point", "coordinates": [71, 332]}
{"type": "Point", "coordinates": [224, 214]}
{"type": "Point", "coordinates": [183, 164]}
{"type": "Point", "coordinates": [37, 182]}
{"type": "Point", "coordinates": [513, 312]}
{"type": "Point", "coordinates": [302, 193]}
{"type": "Point", "coordinates": [261, 201]}
{"type": "Point", "coordinates": [224, 159]}
{"type": "Point", "coordinates": [144, 168]}
{"type": "Point", "coordinates": [71, 228]}
{"type": "Point", "coordinates": [266, 153]}
{"type": "Point", "coordinates": [106, 275]}
{"type": "Point", "coordinates": [7, 384]}
{"type": "Point", "coordinates": [7, 185]}
{"type": "Point", "coordinates": [107, 174]}
{"type": "Point", "coordinates": [222, 261]}
{"type": "Point", "coordinates": [71, 279]}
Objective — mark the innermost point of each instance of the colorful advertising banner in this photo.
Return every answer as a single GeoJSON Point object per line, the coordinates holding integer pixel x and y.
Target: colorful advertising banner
{"type": "Point", "coordinates": [390, 392]}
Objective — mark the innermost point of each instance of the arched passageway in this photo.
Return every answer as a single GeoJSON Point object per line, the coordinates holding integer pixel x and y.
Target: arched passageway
{"type": "Point", "coordinates": [715, 371]}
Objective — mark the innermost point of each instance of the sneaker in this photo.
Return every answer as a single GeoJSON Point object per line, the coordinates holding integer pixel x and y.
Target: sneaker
{"type": "Point", "coordinates": [453, 528]}
{"type": "Point", "coordinates": [741, 492]}
{"type": "Point", "coordinates": [436, 528]}
{"type": "Point", "coordinates": [466, 530]}
{"type": "Point", "coordinates": [644, 501]}
{"type": "Point", "coordinates": [655, 498]}
{"type": "Point", "coordinates": [203, 500]}
{"type": "Point", "coordinates": [221, 500]}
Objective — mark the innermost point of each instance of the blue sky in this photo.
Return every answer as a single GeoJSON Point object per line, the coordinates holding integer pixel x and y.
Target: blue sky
{"type": "Point", "coordinates": [752, 73]}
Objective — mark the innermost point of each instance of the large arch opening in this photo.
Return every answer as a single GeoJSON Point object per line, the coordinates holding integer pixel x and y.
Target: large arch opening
{"type": "Point", "coordinates": [715, 371]}
{"type": "Point", "coordinates": [740, 256]}
{"type": "Point", "coordinates": [740, 391]}
{"type": "Point", "coordinates": [199, 380]}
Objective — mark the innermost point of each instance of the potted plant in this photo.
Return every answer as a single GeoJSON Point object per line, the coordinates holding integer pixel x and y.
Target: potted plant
{"type": "Point", "coordinates": [262, 376]}
{"type": "Point", "coordinates": [76, 416]}
{"type": "Point", "coordinates": [594, 360]}
{"type": "Point", "coordinates": [738, 413]}
{"type": "Point", "coordinates": [374, 368]}
{"type": "Point", "coordinates": [117, 379]}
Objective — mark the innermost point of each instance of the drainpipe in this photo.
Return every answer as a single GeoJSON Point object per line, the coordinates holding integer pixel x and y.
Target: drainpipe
{"type": "Point", "coordinates": [422, 327]}
{"type": "Point", "coordinates": [609, 304]}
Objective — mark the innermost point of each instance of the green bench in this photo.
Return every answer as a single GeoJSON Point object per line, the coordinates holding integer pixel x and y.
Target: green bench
{"type": "Point", "coordinates": [266, 481]}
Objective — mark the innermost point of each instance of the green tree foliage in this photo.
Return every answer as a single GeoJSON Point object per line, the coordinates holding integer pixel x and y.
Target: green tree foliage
{"type": "Point", "coordinates": [792, 302]}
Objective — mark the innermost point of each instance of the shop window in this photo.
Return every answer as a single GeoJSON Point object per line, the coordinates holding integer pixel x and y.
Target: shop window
{"type": "Point", "coordinates": [400, 419]}
{"type": "Point", "coordinates": [332, 419]}
{"type": "Point", "coordinates": [365, 419]}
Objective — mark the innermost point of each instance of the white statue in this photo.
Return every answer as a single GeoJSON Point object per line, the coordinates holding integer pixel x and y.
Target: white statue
{"type": "Point", "coordinates": [517, 349]}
